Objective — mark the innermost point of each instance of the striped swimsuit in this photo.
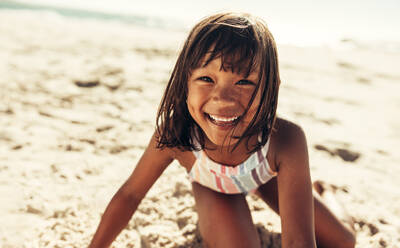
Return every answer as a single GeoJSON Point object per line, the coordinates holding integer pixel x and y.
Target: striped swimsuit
{"type": "Point", "coordinates": [243, 178]}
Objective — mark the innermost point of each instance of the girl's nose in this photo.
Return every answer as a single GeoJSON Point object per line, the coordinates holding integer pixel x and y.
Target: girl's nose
{"type": "Point", "coordinates": [224, 95]}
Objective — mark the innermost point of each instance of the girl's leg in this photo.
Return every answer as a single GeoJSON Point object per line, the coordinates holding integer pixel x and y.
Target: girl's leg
{"type": "Point", "coordinates": [344, 224]}
{"type": "Point", "coordinates": [224, 220]}
{"type": "Point", "coordinates": [333, 227]}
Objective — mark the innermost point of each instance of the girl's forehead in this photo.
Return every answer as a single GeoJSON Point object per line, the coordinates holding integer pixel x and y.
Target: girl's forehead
{"type": "Point", "coordinates": [229, 63]}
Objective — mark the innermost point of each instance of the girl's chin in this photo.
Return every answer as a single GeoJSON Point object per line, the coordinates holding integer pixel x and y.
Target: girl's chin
{"type": "Point", "coordinates": [221, 136]}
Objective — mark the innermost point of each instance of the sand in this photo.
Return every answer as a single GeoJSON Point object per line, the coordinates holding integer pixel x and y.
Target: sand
{"type": "Point", "coordinates": [78, 106]}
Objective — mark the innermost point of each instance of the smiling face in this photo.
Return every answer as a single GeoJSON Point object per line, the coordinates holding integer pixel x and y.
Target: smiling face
{"type": "Point", "coordinates": [217, 101]}
{"type": "Point", "coordinates": [203, 93]}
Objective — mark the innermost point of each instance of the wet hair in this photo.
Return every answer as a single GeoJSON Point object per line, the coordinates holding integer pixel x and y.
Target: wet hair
{"type": "Point", "coordinates": [244, 45]}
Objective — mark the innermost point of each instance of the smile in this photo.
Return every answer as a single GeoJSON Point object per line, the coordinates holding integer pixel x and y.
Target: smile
{"type": "Point", "coordinates": [223, 121]}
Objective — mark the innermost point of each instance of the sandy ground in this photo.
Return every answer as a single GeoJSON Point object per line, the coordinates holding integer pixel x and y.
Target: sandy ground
{"type": "Point", "coordinates": [78, 105]}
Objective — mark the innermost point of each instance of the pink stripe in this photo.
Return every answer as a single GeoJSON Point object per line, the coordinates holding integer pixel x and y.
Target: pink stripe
{"type": "Point", "coordinates": [229, 184]}
{"type": "Point", "coordinates": [234, 170]}
{"type": "Point", "coordinates": [218, 180]}
{"type": "Point", "coordinates": [223, 170]}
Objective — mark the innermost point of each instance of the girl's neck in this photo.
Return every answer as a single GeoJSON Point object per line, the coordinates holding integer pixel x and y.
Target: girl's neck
{"type": "Point", "coordinates": [224, 154]}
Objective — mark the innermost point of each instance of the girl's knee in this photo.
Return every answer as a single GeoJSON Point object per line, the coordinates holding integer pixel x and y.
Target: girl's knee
{"type": "Point", "coordinates": [227, 232]}
{"type": "Point", "coordinates": [350, 241]}
{"type": "Point", "coordinates": [347, 240]}
{"type": "Point", "coordinates": [225, 238]}
{"type": "Point", "coordinates": [224, 220]}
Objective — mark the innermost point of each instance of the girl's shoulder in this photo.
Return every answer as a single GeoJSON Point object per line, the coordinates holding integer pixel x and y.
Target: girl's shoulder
{"type": "Point", "coordinates": [287, 140]}
{"type": "Point", "coordinates": [285, 130]}
{"type": "Point", "coordinates": [185, 158]}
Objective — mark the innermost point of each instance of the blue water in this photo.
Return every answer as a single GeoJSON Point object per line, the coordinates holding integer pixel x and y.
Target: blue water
{"type": "Point", "coordinates": [305, 22]}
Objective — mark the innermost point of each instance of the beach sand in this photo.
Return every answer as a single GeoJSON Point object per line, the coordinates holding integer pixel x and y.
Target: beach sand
{"type": "Point", "coordinates": [78, 105]}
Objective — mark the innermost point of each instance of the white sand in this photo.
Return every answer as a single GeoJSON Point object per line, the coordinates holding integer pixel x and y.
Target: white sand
{"type": "Point", "coordinates": [65, 150]}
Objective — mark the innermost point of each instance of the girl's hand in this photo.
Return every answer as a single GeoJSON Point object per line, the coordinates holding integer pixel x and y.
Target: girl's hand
{"type": "Point", "coordinates": [125, 202]}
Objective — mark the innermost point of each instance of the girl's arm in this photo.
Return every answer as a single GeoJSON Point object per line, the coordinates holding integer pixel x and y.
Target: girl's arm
{"type": "Point", "coordinates": [294, 188]}
{"type": "Point", "coordinates": [124, 203]}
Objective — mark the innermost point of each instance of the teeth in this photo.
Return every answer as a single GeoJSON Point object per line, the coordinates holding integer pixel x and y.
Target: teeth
{"type": "Point", "coordinates": [223, 119]}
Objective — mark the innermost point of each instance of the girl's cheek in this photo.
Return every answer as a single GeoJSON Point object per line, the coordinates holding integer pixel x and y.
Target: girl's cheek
{"type": "Point", "coordinates": [192, 102]}
{"type": "Point", "coordinates": [253, 108]}
{"type": "Point", "coordinates": [247, 97]}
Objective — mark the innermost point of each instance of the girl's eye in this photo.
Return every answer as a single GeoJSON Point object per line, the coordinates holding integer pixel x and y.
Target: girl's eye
{"type": "Point", "coordinates": [206, 79]}
{"type": "Point", "coordinates": [245, 82]}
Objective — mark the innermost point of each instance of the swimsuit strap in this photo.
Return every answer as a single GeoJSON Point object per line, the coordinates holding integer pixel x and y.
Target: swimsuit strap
{"type": "Point", "coordinates": [265, 148]}
{"type": "Point", "coordinates": [196, 143]}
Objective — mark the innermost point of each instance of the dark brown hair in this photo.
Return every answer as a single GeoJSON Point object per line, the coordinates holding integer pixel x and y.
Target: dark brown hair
{"type": "Point", "coordinates": [244, 44]}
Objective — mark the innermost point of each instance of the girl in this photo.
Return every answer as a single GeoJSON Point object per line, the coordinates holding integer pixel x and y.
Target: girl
{"type": "Point", "coordinates": [218, 119]}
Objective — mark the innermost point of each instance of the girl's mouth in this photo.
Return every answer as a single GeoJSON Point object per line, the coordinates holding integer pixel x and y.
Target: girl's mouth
{"type": "Point", "coordinates": [223, 121]}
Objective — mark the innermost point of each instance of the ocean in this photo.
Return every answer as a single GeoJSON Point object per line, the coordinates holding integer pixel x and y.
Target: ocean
{"type": "Point", "coordinates": [303, 22]}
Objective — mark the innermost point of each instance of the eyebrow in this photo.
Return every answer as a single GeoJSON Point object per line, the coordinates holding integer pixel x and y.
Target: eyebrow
{"type": "Point", "coordinates": [212, 64]}
{"type": "Point", "coordinates": [253, 76]}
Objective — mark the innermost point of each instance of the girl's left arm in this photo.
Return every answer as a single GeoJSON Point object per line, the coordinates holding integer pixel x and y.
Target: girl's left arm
{"type": "Point", "coordinates": [296, 206]}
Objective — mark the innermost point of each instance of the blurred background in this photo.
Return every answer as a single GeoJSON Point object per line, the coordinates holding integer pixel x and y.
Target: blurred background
{"type": "Point", "coordinates": [305, 22]}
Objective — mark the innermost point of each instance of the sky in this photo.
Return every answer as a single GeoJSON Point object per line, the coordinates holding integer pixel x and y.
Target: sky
{"type": "Point", "coordinates": [303, 20]}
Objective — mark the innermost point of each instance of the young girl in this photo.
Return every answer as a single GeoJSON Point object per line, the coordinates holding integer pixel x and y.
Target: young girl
{"type": "Point", "coordinates": [218, 119]}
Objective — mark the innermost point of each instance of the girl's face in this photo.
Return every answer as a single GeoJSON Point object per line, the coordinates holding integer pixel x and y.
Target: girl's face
{"type": "Point", "coordinates": [217, 98]}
